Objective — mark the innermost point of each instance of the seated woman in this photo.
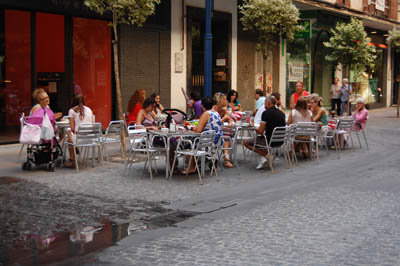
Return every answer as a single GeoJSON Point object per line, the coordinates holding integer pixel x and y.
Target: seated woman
{"type": "Point", "coordinates": [42, 101]}
{"type": "Point", "coordinates": [146, 117]}
{"type": "Point", "coordinates": [221, 104]}
{"type": "Point", "coordinates": [301, 114]}
{"type": "Point", "coordinates": [233, 101]}
{"type": "Point", "coordinates": [135, 104]}
{"type": "Point", "coordinates": [319, 114]}
{"type": "Point", "coordinates": [360, 115]}
{"type": "Point", "coordinates": [211, 120]}
{"type": "Point", "coordinates": [157, 105]}
{"type": "Point", "coordinates": [39, 111]}
{"type": "Point", "coordinates": [77, 115]}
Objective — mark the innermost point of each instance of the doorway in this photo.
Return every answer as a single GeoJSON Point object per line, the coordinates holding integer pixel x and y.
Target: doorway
{"type": "Point", "coordinates": [221, 50]}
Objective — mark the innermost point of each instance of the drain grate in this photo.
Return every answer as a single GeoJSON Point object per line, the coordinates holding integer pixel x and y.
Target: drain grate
{"type": "Point", "coordinates": [168, 219]}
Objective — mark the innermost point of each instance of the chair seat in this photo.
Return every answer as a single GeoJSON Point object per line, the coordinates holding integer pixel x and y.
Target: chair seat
{"type": "Point", "coordinates": [193, 153]}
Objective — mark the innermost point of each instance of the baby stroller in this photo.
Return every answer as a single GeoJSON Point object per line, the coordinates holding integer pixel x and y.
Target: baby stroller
{"type": "Point", "coordinates": [38, 133]}
{"type": "Point", "coordinates": [175, 115]}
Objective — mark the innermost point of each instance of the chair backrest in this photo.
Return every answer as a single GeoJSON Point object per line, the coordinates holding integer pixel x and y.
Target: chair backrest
{"type": "Point", "coordinates": [88, 133]}
{"type": "Point", "coordinates": [279, 136]}
{"type": "Point", "coordinates": [306, 129]}
{"type": "Point", "coordinates": [138, 136]}
{"type": "Point", "coordinates": [206, 140]}
{"type": "Point", "coordinates": [115, 128]}
{"type": "Point", "coordinates": [345, 123]}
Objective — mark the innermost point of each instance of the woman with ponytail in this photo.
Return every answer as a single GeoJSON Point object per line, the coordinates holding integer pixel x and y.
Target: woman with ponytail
{"type": "Point", "coordinates": [80, 113]}
{"type": "Point", "coordinates": [77, 115]}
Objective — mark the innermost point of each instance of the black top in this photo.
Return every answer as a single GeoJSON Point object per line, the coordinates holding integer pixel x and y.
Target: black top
{"type": "Point", "coordinates": [273, 118]}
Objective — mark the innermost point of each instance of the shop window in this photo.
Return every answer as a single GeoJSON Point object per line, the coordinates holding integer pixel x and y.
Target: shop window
{"type": "Point", "coordinates": [92, 65]}
{"type": "Point", "coordinates": [16, 85]}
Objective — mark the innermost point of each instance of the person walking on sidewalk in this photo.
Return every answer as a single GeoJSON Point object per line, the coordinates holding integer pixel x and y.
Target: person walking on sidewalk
{"type": "Point", "coordinates": [334, 94]}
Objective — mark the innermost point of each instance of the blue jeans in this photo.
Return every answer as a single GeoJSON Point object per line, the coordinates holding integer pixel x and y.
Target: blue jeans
{"type": "Point", "coordinates": [344, 107]}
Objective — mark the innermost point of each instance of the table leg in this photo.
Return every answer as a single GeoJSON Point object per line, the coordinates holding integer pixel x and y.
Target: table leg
{"type": "Point", "coordinates": [167, 167]}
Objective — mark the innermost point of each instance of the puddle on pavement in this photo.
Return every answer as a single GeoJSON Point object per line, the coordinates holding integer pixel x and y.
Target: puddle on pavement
{"type": "Point", "coordinates": [6, 180]}
{"type": "Point", "coordinates": [46, 250]}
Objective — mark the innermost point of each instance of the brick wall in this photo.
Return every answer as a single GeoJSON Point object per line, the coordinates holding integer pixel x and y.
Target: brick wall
{"type": "Point", "coordinates": [393, 9]}
{"type": "Point", "coordinates": [145, 57]}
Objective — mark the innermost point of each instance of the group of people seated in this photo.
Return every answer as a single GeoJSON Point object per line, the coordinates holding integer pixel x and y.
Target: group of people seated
{"type": "Point", "coordinates": [212, 113]}
{"type": "Point", "coordinates": [77, 115]}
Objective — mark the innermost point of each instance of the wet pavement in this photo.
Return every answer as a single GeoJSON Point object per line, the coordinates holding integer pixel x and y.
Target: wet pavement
{"type": "Point", "coordinates": [41, 226]}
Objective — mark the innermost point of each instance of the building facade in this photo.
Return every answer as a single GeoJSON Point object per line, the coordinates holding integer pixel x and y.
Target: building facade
{"type": "Point", "coordinates": [65, 48]}
{"type": "Point", "coordinates": [306, 55]}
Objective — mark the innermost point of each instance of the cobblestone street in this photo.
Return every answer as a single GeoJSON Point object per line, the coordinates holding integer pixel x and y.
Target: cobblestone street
{"type": "Point", "coordinates": [335, 211]}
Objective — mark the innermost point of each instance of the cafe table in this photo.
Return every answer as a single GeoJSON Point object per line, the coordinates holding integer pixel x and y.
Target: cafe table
{"type": "Point", "coordinates": [181, 133]}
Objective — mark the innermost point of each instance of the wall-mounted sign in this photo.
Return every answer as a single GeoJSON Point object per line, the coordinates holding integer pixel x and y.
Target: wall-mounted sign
{"type": "Point", "coordinates": [305, 29]}
{"type": "Point", "coordinates": [380, 5]}
{"type": "Point", "coordinates": [221, 62]}
{"type": "Point", "coordinates": [178, 62]}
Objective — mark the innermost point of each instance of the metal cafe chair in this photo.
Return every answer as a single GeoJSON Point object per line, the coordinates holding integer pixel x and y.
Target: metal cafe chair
{"type": "Point", "coordinates": [139, 140]}
{"type": "Point", "coordinates": [307, 132]}
{"type": "Point", "coordinates": [279, 144]}
{"type": "Point", "coordinates": [201, 147]}
{"type": "Point", "coordinates": [112, 135]}
{"type": "Point", "coordinates": [89, 135]}
{"type": "Point", "coordinates": [232, 138]}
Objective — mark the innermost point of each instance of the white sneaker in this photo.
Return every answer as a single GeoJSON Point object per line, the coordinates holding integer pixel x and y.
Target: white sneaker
{"type": "Point", "coordinates": [262, 162]}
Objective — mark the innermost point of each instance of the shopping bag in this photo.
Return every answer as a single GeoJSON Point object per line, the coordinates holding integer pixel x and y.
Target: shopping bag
{"type": "Point", "coordinates": [47, 128]}
{"type": "Point", "coordinates": [30, 134]}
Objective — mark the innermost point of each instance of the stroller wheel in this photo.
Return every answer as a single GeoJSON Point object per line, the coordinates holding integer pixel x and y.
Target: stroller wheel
{"type": "Point", "coordinates": [51, 167]}
{"type": "Point", "coordinates": [26, 166]}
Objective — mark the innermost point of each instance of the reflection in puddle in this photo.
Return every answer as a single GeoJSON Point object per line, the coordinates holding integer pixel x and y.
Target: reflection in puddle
{"type": "Point", "coordinates": [44, 250]}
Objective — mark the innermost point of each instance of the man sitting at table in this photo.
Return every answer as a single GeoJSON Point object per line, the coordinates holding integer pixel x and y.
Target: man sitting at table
{"type": "Point", "coordinates": [271, 118]}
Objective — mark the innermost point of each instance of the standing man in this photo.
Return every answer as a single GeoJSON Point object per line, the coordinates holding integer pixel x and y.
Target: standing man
{"type": "Point", "coordinates": [346, 91]}
{"type": "Point", "coordinates": [260, 99]}
{"type": "Point", "coordinates": [271, 118]}
{"type": "Point", "coordinates": [300, 92]}
{"type": "Point", "coordinates": [335, 94]}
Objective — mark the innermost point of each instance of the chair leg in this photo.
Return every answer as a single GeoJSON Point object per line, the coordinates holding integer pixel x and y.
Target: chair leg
{"type": "Point", "coordinates": [101, 155]}
{"type": "Point", "coordinates": [365, 139]}
{"type": "Point", "coordinates": [173, 167]}
{"type": "Point", "coordinates": [20, 151]}
{"type": "Point", "coordinates": [150, 168]}
{"type": "Point", "coordinates": [198, 171]}
{"type": "Point", "coordinates": [76, 160]}
{"type": "Point", "coordinates": [270, 158]}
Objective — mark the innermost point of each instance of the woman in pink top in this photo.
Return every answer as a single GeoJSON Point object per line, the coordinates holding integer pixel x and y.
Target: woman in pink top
{"type": "Point", "coordinates": [360, 115]}
{"type": "Point", "coordinates": [300, 92]}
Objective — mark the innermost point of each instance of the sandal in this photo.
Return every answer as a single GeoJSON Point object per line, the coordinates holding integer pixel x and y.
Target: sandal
{"type": "Point", "coordinates": [188, 172]}
{"type": "Point", "coordinates": [69, 164]}
{"type": "Point", "coordinates": [228, 164]}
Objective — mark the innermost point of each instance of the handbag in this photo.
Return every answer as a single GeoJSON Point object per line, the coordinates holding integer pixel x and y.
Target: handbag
{"type": "Point", "coordinates": [30, 134]}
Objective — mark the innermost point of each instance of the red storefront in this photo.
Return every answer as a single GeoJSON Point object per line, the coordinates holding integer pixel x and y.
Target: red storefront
{"type": "Point", "coordinates": [57, 48]}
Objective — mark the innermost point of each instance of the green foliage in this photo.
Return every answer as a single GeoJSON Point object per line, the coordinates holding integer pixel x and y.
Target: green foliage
{"type": "Point", "coordinates": [133, 12]}
{"type": "Point", "coordinates": [394, 39]}
{"type": "Point", "coordinates": [349, 46]}
{"type": "Point", "coordinates": [270, 19]}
